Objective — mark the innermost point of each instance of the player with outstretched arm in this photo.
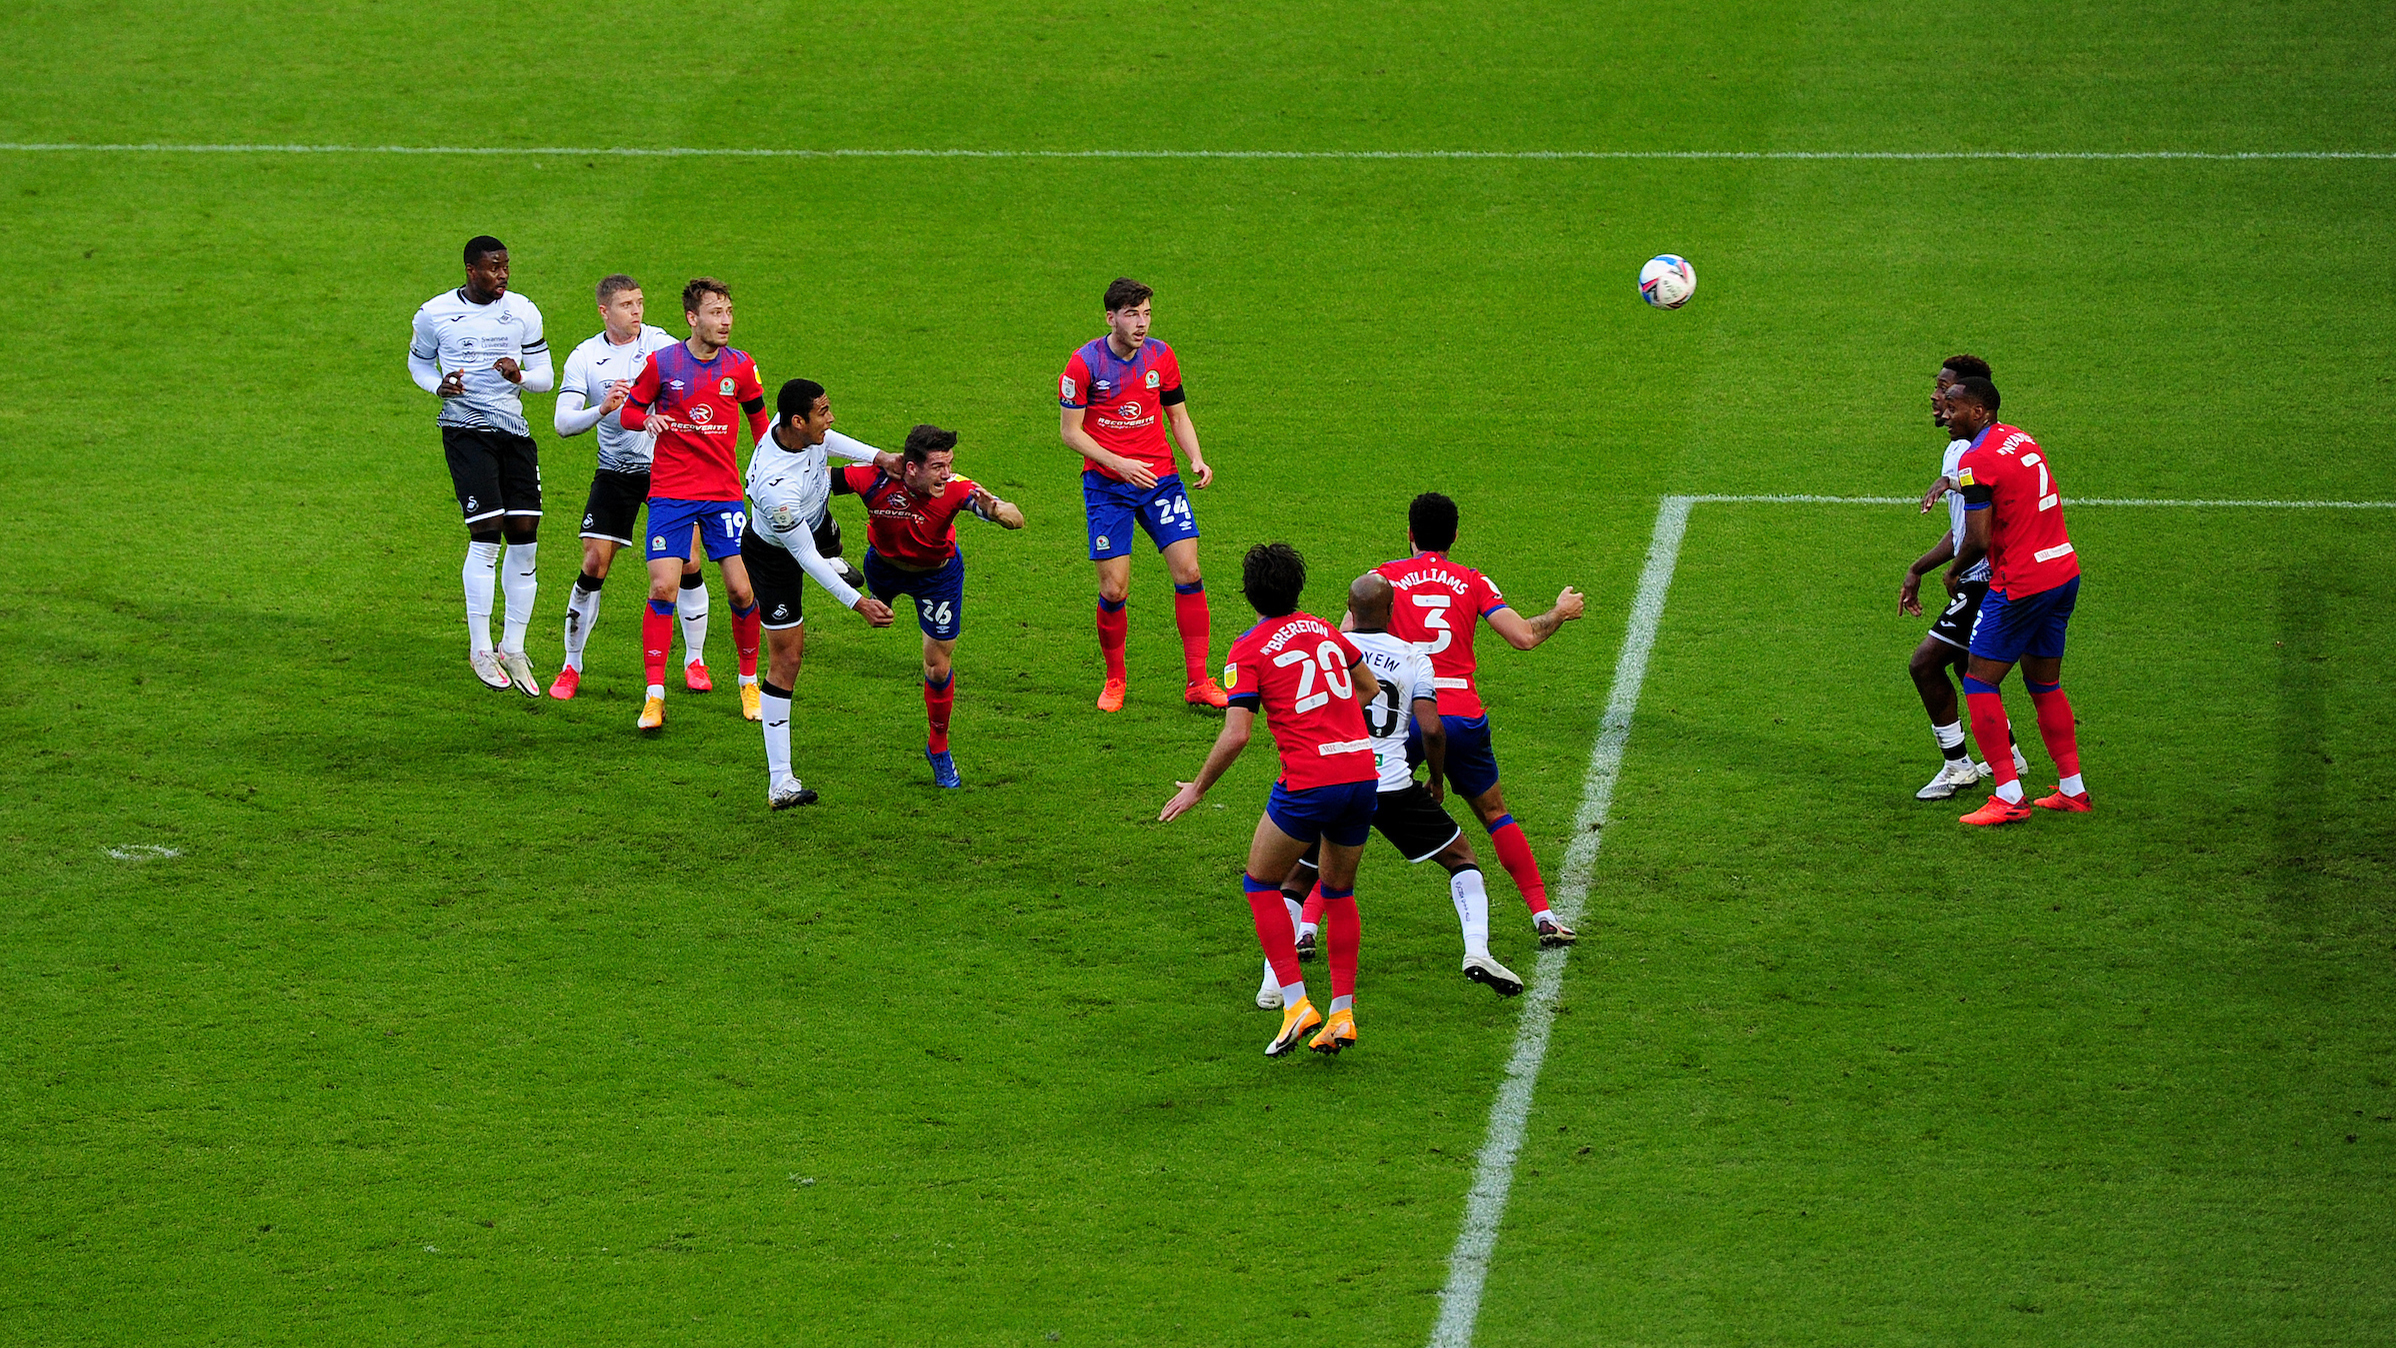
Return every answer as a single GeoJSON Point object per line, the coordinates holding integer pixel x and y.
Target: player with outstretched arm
{"type": "Point", "coordinates": [1311, 684]}
{"type": "Point", "coordinates": [911, 549]}
{"type": "Point", "coordinates": [1118, 393]}
{"type": "Point", "coordinates": [479, 349]}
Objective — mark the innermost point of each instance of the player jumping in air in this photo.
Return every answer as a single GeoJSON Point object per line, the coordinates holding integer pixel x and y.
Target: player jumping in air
{"type": "Point", "coordinates": [690, 389]}
{"type": "Point", "coordinates": [1440, 604]}
{"type": "Point", "coordinates": [1118, 392]}
{"type": "Point", "coordinates": [2013, 515]}
{"type": "Point", "coordinates": [1945, 643]}
{"type": "Point", "coordinates": [790, 530]}
{"type": "Point", "coordinates": [597, 379]}
{"type": "Point", "coordinates": [1405, 811]}
{"type": "Point", "coordinates": [479, 349]}
{"type": "Point", "coordinates": [1312, 684]}
{"type": "Point", "coordinates": [911, 549]}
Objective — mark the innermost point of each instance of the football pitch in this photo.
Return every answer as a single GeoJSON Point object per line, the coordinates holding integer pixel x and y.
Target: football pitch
{"type": "Point", "coordinates": [343, 1001]}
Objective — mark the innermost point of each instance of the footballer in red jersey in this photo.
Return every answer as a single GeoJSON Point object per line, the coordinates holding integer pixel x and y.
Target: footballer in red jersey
{"type": "Point", "coordinates": [689, 391]}
{"type": "Point", "coordinates": [1118, 394]}
{"type": "Point", "coordinates": [2013, 515]}
{"type": "Point", "coordinates": [911, 549]}
{"type": "Point", "coordinates": [1312, 685]}
{"type": "Point", "coordinates": [1440, 605]}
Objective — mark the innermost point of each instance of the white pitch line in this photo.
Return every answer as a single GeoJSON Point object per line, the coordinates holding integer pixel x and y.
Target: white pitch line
{"type": "Point", "coordinates": [686, 151]}
{"type": "Point", "coordinates": [1493, 1172]}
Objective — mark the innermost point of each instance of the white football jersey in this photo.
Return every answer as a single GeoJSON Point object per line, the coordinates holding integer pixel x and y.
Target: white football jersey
{"type": "Point", "coordinates": [1947, 467]}
{"type": "Point", "coordinates": [1405, 674]}
{"type": "Point", "coordinates": [462, 335]}
{"type": "Point", "coordinates": [598, 363]}
{"type": "Point", "coordinates": [789, 492]}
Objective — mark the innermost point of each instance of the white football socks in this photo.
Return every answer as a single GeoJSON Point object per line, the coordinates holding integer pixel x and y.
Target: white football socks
{"type": "Point", "coordinates": [2073, 786]}
{"type": "Point", "coordinates": [1347, 1004]}
{"type": "Point", "coordinates": [775, 713]}
{"type": "Point", "coordinates": [691, 605]}
{"type": "Point", "coordinates": [1472, 908]}
{"type": "Point", "coordinates": [582, 614]}
{"type": "Point", "coordinates": [1950, 737]}
{"type": "Point", "coordinates": [481, 561]}
{"type": "Point", "coordinates": [2010, 792]}
{"type": "Point", "coordinates": [519, 579]}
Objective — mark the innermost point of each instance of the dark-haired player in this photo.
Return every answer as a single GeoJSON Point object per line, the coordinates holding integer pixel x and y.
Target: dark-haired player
{"type": "Point", "coordinates": [1440, 604]}
{"type": "Point", "coordinates": [911, 549]}
{"type": "Point", "coordinates": [2013, 515]}
{"type": "Point", "coordinates": [1311, 684]}
{"type": "Point", "coordinates": [1405, 811]}
{"type": "Point", "coordinates": [792, 535]}
{"type": "Point", "coordinates": [597, 379]}
{"type": "Point", "coordinates": [1118, 393]}
{"type": "Point", "coordinates": [691, 390]}
{"type": "Point", "coordinates": [479, 349]}
{"type": "Point", "coordinates": [1945, 643]}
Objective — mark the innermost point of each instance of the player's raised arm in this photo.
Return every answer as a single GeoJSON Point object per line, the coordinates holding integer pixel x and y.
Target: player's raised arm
{"type": "Point", "coordinates": [988, 507]}
{"type": "Point", "coordinates": [1523, 633]}
{"type": "Point", "coordinates": [1238, 723]}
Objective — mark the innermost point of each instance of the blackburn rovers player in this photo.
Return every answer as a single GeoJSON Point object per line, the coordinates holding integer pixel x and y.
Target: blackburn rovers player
{"type": "Point", "coordinates": [1118, 393]}
{"type": "Point", "coordinates": [1406, 812]}
{"type": "Point", "coordinates": [479, 349]}
{"type": "Point", "coordinates": [597, 379]}
{"type": "Point", "coordinates": [1440, 604]}
{"type": "Point", "coordinates": [2013, 515]}
{"type": "Point", "coordinates": [1311, 683]}
{"type": "Point", "coordinates": [792, 535]}
{"type": "Point", "coordinates": [911, 549]}
{"type": "Point", "coordinates": [690, 389]}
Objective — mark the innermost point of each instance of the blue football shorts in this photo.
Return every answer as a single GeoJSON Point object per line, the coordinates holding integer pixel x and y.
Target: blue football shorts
{"type": "Point", "coordinates": [721, 525]}
{"type": "Point", "coordinates": [1342, 815]}
{"type": "Point", "coordinates": [1472, 763]}
{"type": "Point", "coordinates": [2009, 629]}
{"type": "Point", "coordinates": [939, 595]}
{"type": "Point", "coordinates": [1163, 510]}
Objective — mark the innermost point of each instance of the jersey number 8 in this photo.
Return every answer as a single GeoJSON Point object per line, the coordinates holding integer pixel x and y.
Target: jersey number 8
{"type": "Point", "coordinates": [1335, 675]}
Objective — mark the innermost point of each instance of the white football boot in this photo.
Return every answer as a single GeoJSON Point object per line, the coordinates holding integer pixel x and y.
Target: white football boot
{"type": "Point", "coordinates": [486, 667]}
{"type": "Point", "coordinates": [1954, 774]}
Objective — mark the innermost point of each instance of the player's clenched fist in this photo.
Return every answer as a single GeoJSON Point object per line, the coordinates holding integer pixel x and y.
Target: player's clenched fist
{"type": "Point", "coordinates": [874, 611]}
{"type": "Point", "coordinates": [1568, 605]}
{"type": "Point", "coordinates": [508, 369]}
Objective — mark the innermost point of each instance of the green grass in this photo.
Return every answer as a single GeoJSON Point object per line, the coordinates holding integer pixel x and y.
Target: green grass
{"type": "Point", "coordinates": [465, 1018]}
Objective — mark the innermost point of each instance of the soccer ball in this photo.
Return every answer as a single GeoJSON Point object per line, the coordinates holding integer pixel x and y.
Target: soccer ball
{"type": "Point", "coordinates": [1667, 281]}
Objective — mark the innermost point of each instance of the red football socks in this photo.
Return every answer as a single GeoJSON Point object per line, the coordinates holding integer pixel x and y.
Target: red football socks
{"type": "Point", "coordinates": [2056, 727]}
{"type": "Point", "coordinates": [1343, 928]}
{"type": "Point", "coordinates": [937, 700]}
{"type": "Point", "coordinates": [1989, 728]}
{"type": "Point", "coordinates": [745, 622]}
{"type": "Point", "coordinates": [1312, 909]}
{"type": "Point", "coordinates": [1514, 853]}
{"type": "Point", "coordinates": [1189, 614]}
{"type": "Point", "coordinates": [1273, 929]}
{"type": "Point", "coordinates": [1112, 624]}
{"type": "Point", "coordinates": [657, 637]}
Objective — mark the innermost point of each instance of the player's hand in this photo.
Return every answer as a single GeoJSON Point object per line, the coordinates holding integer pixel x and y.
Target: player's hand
{"type": "Point", "coordinates": [1136, 474]}
{"type": "Point", "coordinates": [508, 369]}
{"type": "Point", "coordinates": [1568, 605]}
{"type": "Point", "coordinates": [1206, 475]}
{"type": "Point", "coordinates": [453, 384]}
{"type": "Point", "coordinates": [1947, 578]}
{"type": "Point", "coordinates": [874, 611]}
{"type": "Point", "coordinates": [617, 393]}
{"type": "Point", "coordinates": [1930, 498]}
{"type": "Point", "coordinates": [1909, 596]}
{"type": "Point", "coordinates": [1184, 801]}
{"type": "Point", "coordinates": [1437, 789]}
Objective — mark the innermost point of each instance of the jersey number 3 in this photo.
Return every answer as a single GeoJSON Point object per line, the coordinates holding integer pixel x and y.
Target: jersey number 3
{"type": "Point", "coordinates": [1435, 617]}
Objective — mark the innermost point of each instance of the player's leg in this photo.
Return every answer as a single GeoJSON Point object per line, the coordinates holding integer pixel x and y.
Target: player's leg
{"type": "Point", "coordinates": [1109, 513]}
{"type": "Point", "coordinates": [669, 547]}
{"type": "Point", "coordinates": [519, 568]}
{"type": "Point", "coordinates": [1166, 516]}
{"type": "Point", "coordinates": [474, 472]}
{"type": "Point", "coordinates": [1929, 665]}
{"type": "Point", "coordinates": [1343, 927]}
{"type": "Point", "coordinates": [1272, 851]}
{"type": "Point", "coordinates": [1473, 772]}
{"type": "Point", "coordinates": [690, 607]}
{"type": "Point", "coordinates": [609, 515]}
{"type": "Point", "coordinates": [1302, 895]}
{"type": "Point", "coordinates": [2042, 674]}
{"type": "Point", "coordinates": [1999, 638]}
{"type": "Point", "coordinates": [723, 527]}
{"type": "Point", "coordinates": [939, 700]}
{"type": "Point", "coordinates": [780, 586]}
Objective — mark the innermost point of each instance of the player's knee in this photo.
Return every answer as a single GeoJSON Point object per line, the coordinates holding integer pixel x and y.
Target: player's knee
{"type": "Point", "coordinates": [1928, 665]}
{"type": "Point", "coordinates": [482, 533]}
{"type": "Point", "coordinates": [1114, 590]}
{"type": "Point", "coordinates": [525, 531]}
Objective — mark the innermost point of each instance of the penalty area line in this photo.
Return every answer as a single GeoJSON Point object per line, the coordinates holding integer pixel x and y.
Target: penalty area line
{"type": "Point", "coordinates": [735, 152]}
{"type": "Point", "coordinates": [1509, 1114]}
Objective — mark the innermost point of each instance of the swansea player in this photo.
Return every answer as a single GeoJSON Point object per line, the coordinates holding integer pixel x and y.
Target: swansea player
{"type": "Point", "coordinates": [792, 535]}
{"type": "Point", "coordinates": [479, 349]}
{"type": "Point", "coordinates": [690, 389]}
{"type": "Point", "coordinates": [1118, 393]}
{"type": "Point", "coordinates": [1440, 605]}
{"type": "Point", "coordinates": [596, 381]}
{"type": "Point", "coordinates": [1406, 812]}
{"type": "Point", "coordinates": [911, 549]}
{"type": "Point", "coordinates": [1945, 643]}
{"type": "Point", "coordinates": [2013, 515]}
{"type": "Point", "coordinates": [1311, 683]}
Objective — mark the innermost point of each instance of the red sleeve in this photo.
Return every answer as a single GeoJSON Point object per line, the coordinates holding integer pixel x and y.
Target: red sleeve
{"type": "Point", "coordinates": [746, 383]}
{"type": "Point", "coordinates": [1242, 679]}
{"type": "Point", "coordinates": [635, 414]}
{"type": "Point", "coordinates": [1073, 387]}
{"type": "Point", "coordinates": [1488, 600]}
{"type": "Point", "coordinates": [1168, 370]}
{"type": "Point", "coordinates": [856, 479]}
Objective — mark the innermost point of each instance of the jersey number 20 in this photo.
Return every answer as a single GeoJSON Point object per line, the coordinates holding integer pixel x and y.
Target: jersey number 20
{"type": "Point", "coordinates": [1335, 674]}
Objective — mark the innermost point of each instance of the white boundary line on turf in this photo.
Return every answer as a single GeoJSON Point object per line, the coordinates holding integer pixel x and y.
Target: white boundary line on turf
{"type": "Point", "coordinates": [1493, 1173]}
{"type": "Point", "coordinates": [676, 152]}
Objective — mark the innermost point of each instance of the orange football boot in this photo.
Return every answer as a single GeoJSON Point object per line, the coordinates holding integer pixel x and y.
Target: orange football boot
{"type": "Point", "coordinates": [1998, 810]}
{"type": "Point", "coordinates": [1339, 1032]}
{"type": "Point", "coordinates": [2058, 801]}
{"type": "Point", "coordinates": [567, 682]}
{"type": "Point", "coordinates": [1206, 693]}
{"type": "Point", "coordinates": [1110, 698]}
{"type": "Point", "coordinates": [694, 677]}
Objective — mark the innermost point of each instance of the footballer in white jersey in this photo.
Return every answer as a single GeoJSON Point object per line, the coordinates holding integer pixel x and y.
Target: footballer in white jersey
{"type": "Point", "coordinates": [479, 349]}
{"type": "Point", "coordinates": [1407, 812]}
{"type": "Point", "coordinates": [590, 397]}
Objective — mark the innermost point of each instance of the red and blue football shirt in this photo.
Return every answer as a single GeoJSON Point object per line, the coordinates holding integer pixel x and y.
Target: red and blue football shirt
{"type": "Point", "coordinates": [1125, 401]}
{"type": "Point", "coordinates": [1438, 607]}
{"type": "Point", "coordinates": [914, 531]}
{"type": "Point", "coordinates": [696, 405]}
{"type": "Point", "coordinates": [2007, 474]}
{"type": "Point", "coordinates": [1299, 671]}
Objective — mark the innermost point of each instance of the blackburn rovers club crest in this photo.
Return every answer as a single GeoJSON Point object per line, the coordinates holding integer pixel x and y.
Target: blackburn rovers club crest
{"type": "Point", "coordinates": [1104, 543]}
{"type": "Point", "coordinates": [1152, 379]}
{"type": "Point", "coordinates": [724, 386]}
